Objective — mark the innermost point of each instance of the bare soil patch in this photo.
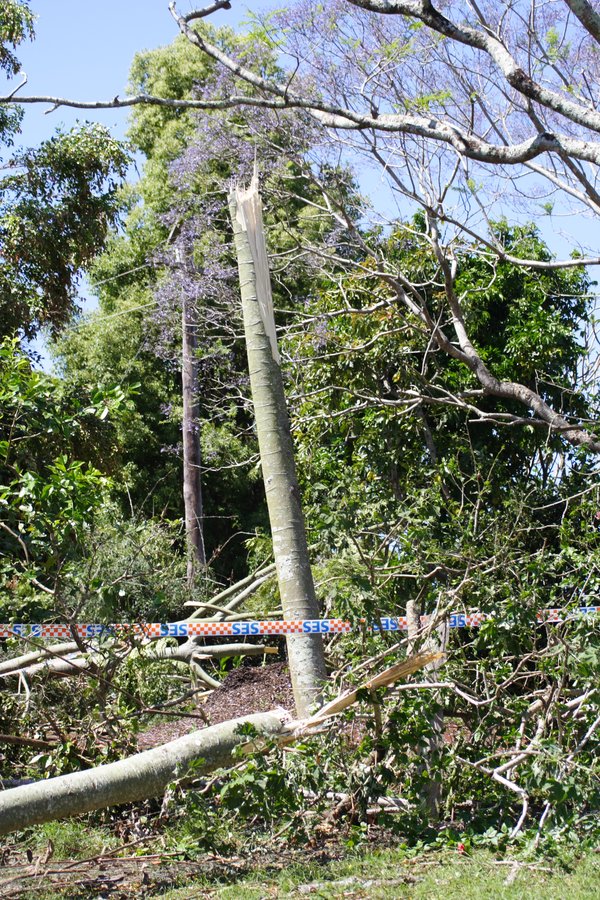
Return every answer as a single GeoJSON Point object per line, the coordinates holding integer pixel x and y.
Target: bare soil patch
{"type": "Point", "coordinates": [245, 690]}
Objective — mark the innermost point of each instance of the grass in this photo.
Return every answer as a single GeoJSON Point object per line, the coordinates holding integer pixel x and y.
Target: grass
{"type": "Point", "coordinates": [71, 840]}
{"type": "Point", "coordinates": [436, 875]}
{"type": "Point", "coordinates": [366, 873]}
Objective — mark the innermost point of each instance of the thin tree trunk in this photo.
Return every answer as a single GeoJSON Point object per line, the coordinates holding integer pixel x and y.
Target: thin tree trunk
{"type": "Point", "coordinates": [298, 599]}
{"type": "Point", "coordinates": [432, 794]}
{"type": "Point", "coordinates": [192, 459]}
{"type": "Point", "coordinates": [144, 775]}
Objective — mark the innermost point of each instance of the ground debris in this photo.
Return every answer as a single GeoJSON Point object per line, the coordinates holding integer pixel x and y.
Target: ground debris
{"type": "Point", "coordinates": [354, 882]}
{"type": "Point", "coordinates": [245, 690]}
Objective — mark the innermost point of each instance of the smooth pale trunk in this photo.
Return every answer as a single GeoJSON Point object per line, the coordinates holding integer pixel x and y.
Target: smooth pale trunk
{"type": "Point", "coordinates": [192, 457]}
{"type": "Point", "coordinates": [298, 600]}
{"type": "Point", "coordinates": [144, 775]}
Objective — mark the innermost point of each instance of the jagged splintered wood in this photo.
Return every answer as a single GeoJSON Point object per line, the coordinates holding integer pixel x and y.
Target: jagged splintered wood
{"type": "Point", "coordinates": [305, 653]}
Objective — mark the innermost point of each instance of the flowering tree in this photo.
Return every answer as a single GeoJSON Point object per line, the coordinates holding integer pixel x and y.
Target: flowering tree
{"type": "Point", "coordinates": [515, 118]}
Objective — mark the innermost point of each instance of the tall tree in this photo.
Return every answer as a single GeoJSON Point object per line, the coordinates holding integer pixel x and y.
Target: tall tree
{"type": "Point", "coordinates": [290, 549]}
{"type": "Point", "coordinates": [57, 203]}
{"type": "Point", "coordinates": [150, 282]}
{"type": "Point", "coordinates": [175, 250]}
{"type": "Point", "coordinates": [192, 455]}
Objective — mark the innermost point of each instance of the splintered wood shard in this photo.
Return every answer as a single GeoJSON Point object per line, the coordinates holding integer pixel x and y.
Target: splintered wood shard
{"type": "Point", "coordinates": [384, 679]}
{"type": "Point", "coordinates": [250, 220]}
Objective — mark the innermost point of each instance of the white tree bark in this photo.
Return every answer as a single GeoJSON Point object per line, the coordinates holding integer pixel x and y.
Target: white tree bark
{"type": "Point", "coordinates": [141, 776]}
{"type": "Point", "coordinates": [294, 575]}
{"type": "Point", "coordinates": [148, 774]}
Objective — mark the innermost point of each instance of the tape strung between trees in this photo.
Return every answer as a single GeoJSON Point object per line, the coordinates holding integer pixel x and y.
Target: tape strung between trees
{"type": "Point", "coordinates": [148, 774]}
{"type": "Point", "coordinates": [264, 628]}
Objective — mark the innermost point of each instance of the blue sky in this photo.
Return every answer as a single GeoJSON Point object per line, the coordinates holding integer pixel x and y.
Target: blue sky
{"type": "Point", "coordinates": [84, 51]}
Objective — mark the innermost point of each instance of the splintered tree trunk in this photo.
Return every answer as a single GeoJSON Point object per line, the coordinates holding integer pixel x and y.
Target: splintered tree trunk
{"type": "Point", "coordinates": [192, 487]}
{"type": "Point", "coordinates": [305, 652]}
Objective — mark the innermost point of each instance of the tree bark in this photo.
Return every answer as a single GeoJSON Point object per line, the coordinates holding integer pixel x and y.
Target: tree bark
{"type": "Point", "coordinates": [298, 599]}
{"type": "Point", "coordinates": [148, 774]}
{"type": "Point", "coordinates": [192, 454]}
{"type": "Point", "coordinates": [432, 794]}
{"type": "Point", "coordinates": [189, 653]}
{"type": "Point", "coordinates": [141, 776]}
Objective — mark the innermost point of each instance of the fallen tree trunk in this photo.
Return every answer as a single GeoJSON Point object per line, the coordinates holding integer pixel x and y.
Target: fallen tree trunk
{"type": "Point", "coordinates": [149, 773]}
{"type": "Point", "coordinates": [141, 776]}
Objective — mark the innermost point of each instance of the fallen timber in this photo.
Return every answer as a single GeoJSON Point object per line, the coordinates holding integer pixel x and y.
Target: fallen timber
{"type": "Point", "coordinates": [148, 774]}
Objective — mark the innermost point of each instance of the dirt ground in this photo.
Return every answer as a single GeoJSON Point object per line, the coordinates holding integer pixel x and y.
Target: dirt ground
{"type": "Point", "coordinates": [245, 690]}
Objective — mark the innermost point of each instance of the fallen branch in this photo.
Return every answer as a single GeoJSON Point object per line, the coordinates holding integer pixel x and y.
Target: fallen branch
{"type": "Point", "coordinates": [190, 653]}
{"type": "Point", "coordinates": [148, 774]}
{"type": "Point", "coordinates": [19, 740]}
{"type": "Point", "coordinates": [72, 664]}
{"type": "Point", "coordinates": [239, 591]}
{"type": "Point", "coordinates": [21, 662]}
{"type": "Point", "coordinates": [191, 650]}
{"type": "Point", "coordinates": [141, 776]}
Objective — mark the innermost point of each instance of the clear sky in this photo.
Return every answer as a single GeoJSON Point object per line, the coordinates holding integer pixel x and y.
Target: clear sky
{"type": "Point", "coordinates": [83, 50]}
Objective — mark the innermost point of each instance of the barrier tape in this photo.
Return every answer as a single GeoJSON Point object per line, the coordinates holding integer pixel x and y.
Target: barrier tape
{"type": "Point", "coordinates": [270, 628]}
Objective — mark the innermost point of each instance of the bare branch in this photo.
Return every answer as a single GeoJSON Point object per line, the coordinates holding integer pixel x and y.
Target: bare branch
{"type": "Point", "coordinates": [587, 15]}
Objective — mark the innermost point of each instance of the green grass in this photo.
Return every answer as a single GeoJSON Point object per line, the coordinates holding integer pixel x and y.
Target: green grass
{"type": "Point", "coordinates": [71, 839]}
{"type": "Point", "coordinates": [389, 873]}
{"type": "Point", "coordinates": [436, 875]}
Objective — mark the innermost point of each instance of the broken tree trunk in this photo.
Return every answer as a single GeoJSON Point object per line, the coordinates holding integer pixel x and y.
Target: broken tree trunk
{"type": "Point", "coordinates": [192, 454]}
{"type": "Point", "coordinates": [148, 774]}
{"type": "Point", "coordinates": [141, 776]}
{"type": "Point", "coordinates": [296, 588]}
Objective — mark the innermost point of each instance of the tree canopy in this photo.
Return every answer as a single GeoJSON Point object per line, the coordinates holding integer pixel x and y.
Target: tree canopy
{"type": "Point", "coordinates": [434, 346]}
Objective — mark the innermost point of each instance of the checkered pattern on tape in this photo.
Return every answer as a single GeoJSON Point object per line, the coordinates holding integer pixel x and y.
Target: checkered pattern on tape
{"type": "Point", "coordinates": [242, 629]}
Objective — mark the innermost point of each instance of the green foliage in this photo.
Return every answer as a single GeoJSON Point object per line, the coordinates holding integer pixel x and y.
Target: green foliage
{"type": "Point", "coordinates": [161, 133]}
{"type": "Point", "coordinates": [49, 494]}
{"type": "Point", "coordinates": [409, 496]}
{"type": "Point", "coordinates": [262, 790]}
{"type": "Point", "coordinates": [528, 323]}
{"type": "Point", "coordinates": [411, 500]}
{"type": "Point", "coordinates": [119, 348]}
{"type": "Point", "coordinates": [56, 205]}
{"type": "Point", "coordinates": [557, 48]}
{"type": "Point", "coordinates": [16, 26]}
{"type": "Point", "coordinates": [131, 570]}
